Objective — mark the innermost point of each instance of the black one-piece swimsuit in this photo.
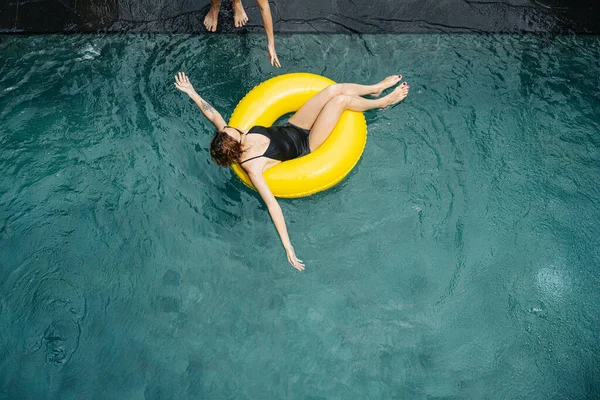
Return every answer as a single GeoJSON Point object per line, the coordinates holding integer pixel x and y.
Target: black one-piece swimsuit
{"type": "Point", "coordinates": [287, 142]}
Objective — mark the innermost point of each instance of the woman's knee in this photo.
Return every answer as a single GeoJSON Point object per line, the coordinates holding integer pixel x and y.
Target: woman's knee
{"type": "Point", "coordinates": [335, 90]}
{"type": "Point", "coordinates": [341, 100]}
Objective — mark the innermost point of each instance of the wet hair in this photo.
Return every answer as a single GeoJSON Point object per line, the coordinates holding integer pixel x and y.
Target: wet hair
{"type": "Point", "coordinates": [225, 150]}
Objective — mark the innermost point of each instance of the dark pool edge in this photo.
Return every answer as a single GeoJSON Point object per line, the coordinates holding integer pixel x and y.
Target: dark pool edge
{"type": "Point", "coordinates": [209, 35]}
{"type": "Point", "coordinates": [308, 16]}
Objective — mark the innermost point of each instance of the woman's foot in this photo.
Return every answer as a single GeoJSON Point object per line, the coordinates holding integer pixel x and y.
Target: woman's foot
{"type": "Point", "coordinates": [386, 83]}
{"type": "Point", "coordinates": [212, 18]}
{"type": "Point", "coordinates": [396, 96]}
{"type": "Point", "coordinates": [239, 14]}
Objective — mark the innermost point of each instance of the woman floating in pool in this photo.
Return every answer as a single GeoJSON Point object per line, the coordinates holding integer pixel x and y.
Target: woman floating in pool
{"type": "Point", "coordinates": [261, 148]}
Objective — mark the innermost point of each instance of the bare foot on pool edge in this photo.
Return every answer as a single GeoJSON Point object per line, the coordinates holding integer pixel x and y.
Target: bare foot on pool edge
{"type": "Point", "coordinates": [239, 14]}
{"type": "Point", "coordinates": [212, 18]}
{"type": "Point", "coordinates": [386, 83]}
{"type": "Point", "coordinates": [396, 96]}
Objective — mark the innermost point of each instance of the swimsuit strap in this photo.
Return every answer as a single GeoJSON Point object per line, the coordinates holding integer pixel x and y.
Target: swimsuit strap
{"type": "Point", "coordinates": [233, 127]}
{"type": "Point", "coordinates": [241, 133]}
{"type": "Point", "coordinates": [251, 158]}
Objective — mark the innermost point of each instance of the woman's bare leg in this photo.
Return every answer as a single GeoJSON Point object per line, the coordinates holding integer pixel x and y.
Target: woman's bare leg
{"type": "Point", "coordinates": [212, 18]}
{"type": "Point", "coordinates": [331, 113]}
{"type": "Point", "coordinates": [306, 116]}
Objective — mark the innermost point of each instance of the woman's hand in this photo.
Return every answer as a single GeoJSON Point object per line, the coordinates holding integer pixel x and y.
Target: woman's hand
{"type": "Point", "coordinates": [182, 82]}
{"type": "Point", "coordinates": [273, 56]}
{"type": "Point", "coordinates": [291, 256]}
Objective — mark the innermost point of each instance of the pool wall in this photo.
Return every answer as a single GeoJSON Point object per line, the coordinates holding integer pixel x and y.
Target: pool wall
{"type": "Point", "coordinates": [333, 16]}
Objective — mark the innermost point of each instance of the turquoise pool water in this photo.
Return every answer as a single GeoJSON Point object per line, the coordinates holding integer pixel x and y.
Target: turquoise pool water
{"type": "Point", "coordinates": [459, 259]}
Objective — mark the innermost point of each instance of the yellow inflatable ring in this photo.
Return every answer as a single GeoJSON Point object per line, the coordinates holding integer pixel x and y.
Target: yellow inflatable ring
{"type": "Point", "coordinates": [319, 170]}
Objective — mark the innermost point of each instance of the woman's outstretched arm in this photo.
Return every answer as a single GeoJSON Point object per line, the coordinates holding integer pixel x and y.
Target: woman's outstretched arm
{"type": "Point", "coordinates": [277, 216]}
{"type": "Point", "coordinates": [265, 12]}
{"type": "Point", "coordinates": [182, 82]}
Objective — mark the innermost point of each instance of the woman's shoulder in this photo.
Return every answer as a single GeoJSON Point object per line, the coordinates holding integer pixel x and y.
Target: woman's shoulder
{"type": "Point", "coordinates": [254, 166]}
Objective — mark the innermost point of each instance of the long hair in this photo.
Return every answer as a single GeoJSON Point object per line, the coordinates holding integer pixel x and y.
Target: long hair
{"type": "Point", "coordinates": [225, 150]}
